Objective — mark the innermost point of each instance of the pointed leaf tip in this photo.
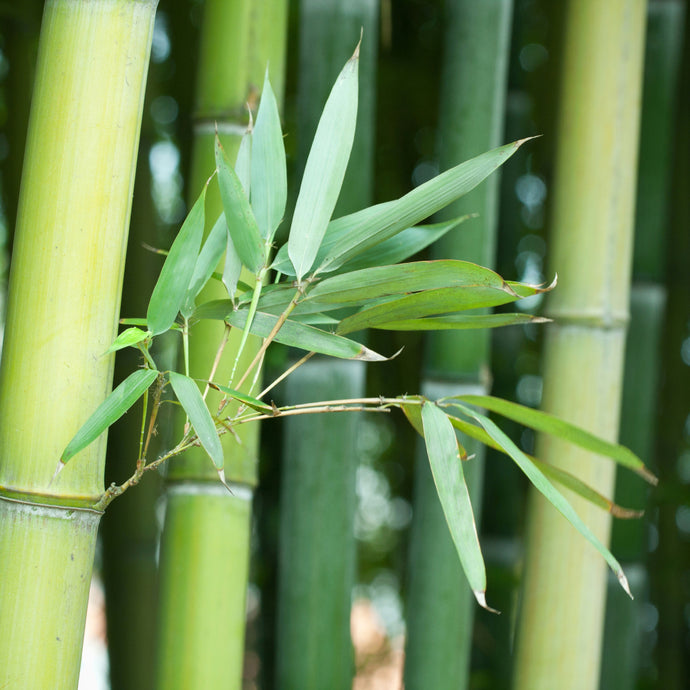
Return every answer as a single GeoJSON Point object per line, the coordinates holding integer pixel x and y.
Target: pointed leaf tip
{"type": "Point", "coordinates": [624, 583]}
{"type": "Point", "coordinates": [480, 596]}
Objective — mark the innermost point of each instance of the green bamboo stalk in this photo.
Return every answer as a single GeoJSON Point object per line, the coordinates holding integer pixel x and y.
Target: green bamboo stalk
{"type": "Point", "coordinates": [642, 359]}
{"type": "Point", "coordinates": [317, 557]}
{"type": "Point", "coordinates": [62, 315]}
{"type": "Point", "coordinates": [440, 609]}
{"type": "Point", "coordinates": [238, 40]}
{"type": "Point", "coordinates": [562, 609]}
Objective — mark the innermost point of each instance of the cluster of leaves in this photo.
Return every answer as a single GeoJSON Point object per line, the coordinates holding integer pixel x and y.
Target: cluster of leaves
{"type": "Point", "coordinates": [334, 278]}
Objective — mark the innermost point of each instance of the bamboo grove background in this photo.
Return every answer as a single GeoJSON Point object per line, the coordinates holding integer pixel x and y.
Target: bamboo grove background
{"type": "Point", "coordinates": [440, 81]}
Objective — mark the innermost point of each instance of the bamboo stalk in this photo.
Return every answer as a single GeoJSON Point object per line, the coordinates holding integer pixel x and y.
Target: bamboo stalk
{"type": "Point", "coordinates": [238, 40]}
{"type": "Point", "coordinates": [561, 619]}
{"type": "Point", "coordinates": [622, 631]}
{"type": "Point", "coordinates": [62, 314]}
{"type": "Point", "coordinates": [440, 606]}
{"type": "Point", "coordinates": [317, 568]}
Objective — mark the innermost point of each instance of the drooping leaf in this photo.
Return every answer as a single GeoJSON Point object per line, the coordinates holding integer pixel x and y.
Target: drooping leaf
{"type": "Point", "coordinates": [544, 486]}
{"type": "Point", "coordinates": [325, 169]}
{"type": "Point", "coordinates": [268, 169]}
{"type": "Point", "coordinates": [547, 423]}
{"type": "Point", "coordinates": [305, 337]}
{"type": "Point", "coordinates": [171, 287]}
{"type": "Point", "coordinates": [209, 256]}
{"type": "Point", "coordinates": [446, 467]}
{"type": "Point", "coordinates": [187, 392]}
{"type": "Point", "coordinates": [238, 214]}
{"type": "Point", "coordinates": [110, 410]}
{"type": "Point", "coordinates": [128, 337]}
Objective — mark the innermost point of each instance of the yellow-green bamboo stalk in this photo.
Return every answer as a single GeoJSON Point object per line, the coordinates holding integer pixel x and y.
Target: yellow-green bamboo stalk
{"type": "Point", "coordinates": [622, 633]}
{"type": "Point", "coordinates": [440, 605]}
{"type": "Point", "coordinates": [317, 570]}
{"type": "Point", "coordinates": [62, 315]}
{"type": "Point", "coordinates": [563, 600]}
{"type": "Point", "coordinates": [207, 530]}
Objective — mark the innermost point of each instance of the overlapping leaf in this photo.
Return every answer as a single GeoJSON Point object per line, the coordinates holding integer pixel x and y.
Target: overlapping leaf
{"type": "Point", "coordinates": [324, 170]}
{"type": "Point", "coordinates": [268, 170]}
{"type": "Point", "coordinates": [187, 392]}
{"type": "Point", "coordinates": [305, 337]}
{"type": "Point", "coordinates": [239, 216]}
{"type": "Point", "coordinates": [446, 467]}
{"type": "Point", "coordinates": [110, 410]}
{"type": "Point", "coordinates": [171, 288]}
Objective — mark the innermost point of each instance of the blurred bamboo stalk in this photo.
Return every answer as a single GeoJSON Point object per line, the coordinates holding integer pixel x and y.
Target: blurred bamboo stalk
{"type": "Point", "coordinates": [622, 633]}
{"type": "Point", "coordinates": [440, 605]}
{"type": "Point", "coordinates": [317, 568]}
{"type": "Point", "coordinates": [563, 599]}
{"type": "Point", "coordinates": [62, 315]}
{"type": "Point", "coordinates": [207, 530]}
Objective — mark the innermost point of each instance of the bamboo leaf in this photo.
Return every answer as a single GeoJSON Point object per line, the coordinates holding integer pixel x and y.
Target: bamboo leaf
{"type": "Point", "coordinates": [268, 170]}
{"type": "Point", "coordinates": [110, 410]}
{"type": "Point", "coordinates": [353, 234]}
{"type": "Point", "coordinates": [544, 486]}
{"type": "Point", "coordinates": [305, 337]}
{"type": "Point", "coordinates": [547, 423]}
{"type": "Point", "coordinates": [238, 214]}
{"type": "Point", "coordinates": [402, 279]}
{"type": "Point", "coordinates": [405, 244]}
{"type": "Point", "coordinates": [428, 303]}
{"type": "Point", "coordinates": [248, 400]}
{"type": "Point", "coordinates": [325, 169]}
{"type": "Point", "coordinates": [128, 337]}
{"type": "Point", "coordinates": [243, 162]}
{"type": "Point", "coordinates": [208, 259]}
{"type": "Point", "coordinates": [171, 287]}
{"type": "Point", "coordinates": [187, 392]}
{"type": "Point", "coordinates": [232, 268]}
{"type": "Point", "coordinates": [446, 466]}
{"type": "Point", "coordinates": [460, 322]}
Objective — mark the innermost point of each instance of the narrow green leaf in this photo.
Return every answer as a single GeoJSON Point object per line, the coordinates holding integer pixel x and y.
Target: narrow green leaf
{"type": "Point", "coordinates": [243, 162]}
{"type": "Point", "coordinates": [232, 268]}
{"type": "Point", "coordinates": [353, 234]}
{"type": "Point", "coordinates": [428, 303]}
{"type": "Point", "coordinates": [171, 287]}
{"type": "Point", "coordinates": [133, 321]}
{"type": "Point", "coordinates": [238, 214]}
{"type": "Point", "coordinates": [405, 244]}
{"type": "Point", "coordinates": [305, 337]}
{"type": "Point", "coordinates": [446, 467]}
{"type": "Point", "coordinates": [460, 322]}
{"type": "Point", "coordinates": [187, 392]}
{"type": "Point", "coordinates": [402, 279]}
{"type": "Point", "coordinates": [208, 259]}
{"type": "Point", "coordinates": [547, 423]}
{"type": "Point", "coordinates": [325, 169]}
{"type": "Point", "coordinates": [248, 400]}
{"type": "Point", "coordinates": [128, 337]}
{"type": "Point", "coordinates": [268, 169]}
{"type": "Point", "coordinates": [544, 486]}
{"type": "Point", "coordinates": [110, 410]}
